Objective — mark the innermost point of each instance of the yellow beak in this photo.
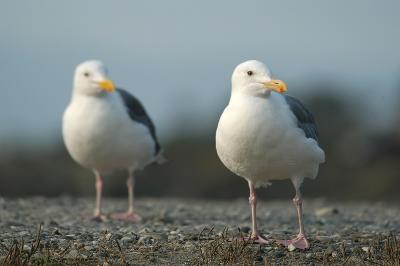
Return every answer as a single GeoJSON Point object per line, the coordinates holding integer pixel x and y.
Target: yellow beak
{"type": "Point", "coordinates": [276, 85]}
{"type": "Point", "coordinates": [107, 85]}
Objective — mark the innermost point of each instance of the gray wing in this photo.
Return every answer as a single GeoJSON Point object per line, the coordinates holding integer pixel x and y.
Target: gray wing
{"type": "Point", "coordinates": [137, 113]}
{"type": "Point", "coordinates": [305, 119]}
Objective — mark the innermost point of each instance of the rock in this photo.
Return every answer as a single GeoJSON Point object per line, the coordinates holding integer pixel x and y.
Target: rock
{"type": "Point", "coordinates": [69, 237]}
{"type": "Point", "coordinates": [279, 254]}
{"type": "Point", "coordinates": [323, 238]}
{"type": "Point", "coordinates": [117, 236]}
{"type": "Point", "coordinates": [189, 245]}
{"type": "Point", "coordinates": [78, 245]}
{"type": "Point", "coordinates": [245, 229]}
{"type": "Point", "coordinates": [291, 247]}
{"type": "Point", "coordinates": [164, 217]}
{"type": "Point", "coordinates": [268, 248]}
{"type": "Point", "coordinates": [53, 223]}
{"type": "Point", "coordinates": [89, 248]}
{"type": "Point", "coordinates": [56, 232]}
{"type": "Point", "coordinates": [174, 232]}
{"type": "Point", "coordinates": [144, 240]}
{"type": "Point", "coordinates": [172, 237]}
{"type": "Point", "coordinates": [126, 240]}
{"type": "Point", "coordinates": [144, 231]}
{"type": "Point", "coordinates": [72, 254]}
{"type": "Point", "coordinates": [161, 236]}
{"type": "Point", "coordinates": [259, 258]}
{"type": "Point", "coordinates": [62, 243]}
{"type": "Point", "coordinates": [329, 250]}
{"type": "Point", "coordinates": [13, 224]}
{"type": "Point", "coordinates": [23, 233]}
{"type": "Point", "coordinates": [108, 236]}
{"type": "Point", "coordinates": [326, 211]}
{"type": "Point", "coordinates": [365, 249]}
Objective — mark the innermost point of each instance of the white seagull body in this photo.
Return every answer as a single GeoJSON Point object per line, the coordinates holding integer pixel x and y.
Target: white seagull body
{"type": "Point", "coordinates": [264, 135]}
{"type": "Point", "coordinates": [258, 139]}
{"type": "Point", "coordinates": [99, 134]}
{"type": "Point", "coordinates": [105, 129]}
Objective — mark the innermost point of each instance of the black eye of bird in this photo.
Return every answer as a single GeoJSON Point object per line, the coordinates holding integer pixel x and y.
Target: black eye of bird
{"type": "Point", "coordinates": [86, 74]}
{"type": "Point", "coordinates": [249, 72]}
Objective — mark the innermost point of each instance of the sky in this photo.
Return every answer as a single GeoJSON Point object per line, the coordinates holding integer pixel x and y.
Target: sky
{"type": "Point", "coordinates": [178, 56]}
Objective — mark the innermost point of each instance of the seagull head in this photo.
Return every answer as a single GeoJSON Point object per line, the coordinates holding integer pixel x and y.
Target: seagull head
{"type": "Point", "coordinates": [91, 78]}
{"type": "Point", "coordinates": [254, 77]}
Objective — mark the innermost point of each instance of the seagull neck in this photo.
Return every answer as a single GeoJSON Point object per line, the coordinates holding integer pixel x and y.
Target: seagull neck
{"type": "Point", "coordinates": [79, 94]}
{"type": "Point", "coordinates": [251, 91]}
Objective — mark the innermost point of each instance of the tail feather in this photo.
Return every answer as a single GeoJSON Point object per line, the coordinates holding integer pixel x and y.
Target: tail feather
{"type": "Point", "coordinates": [160, 158]}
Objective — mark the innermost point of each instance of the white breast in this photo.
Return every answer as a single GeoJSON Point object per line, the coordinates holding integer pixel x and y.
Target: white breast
{"type": "Point", "coordinates": [99, 134]}
{"type": "Point", "coordinates": [258, 139]}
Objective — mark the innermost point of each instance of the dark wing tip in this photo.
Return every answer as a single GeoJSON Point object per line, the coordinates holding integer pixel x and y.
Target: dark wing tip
{"type": "Point", "coordinates": [305, 119]}
{"type": "Point", "coordinates": [138, 114]}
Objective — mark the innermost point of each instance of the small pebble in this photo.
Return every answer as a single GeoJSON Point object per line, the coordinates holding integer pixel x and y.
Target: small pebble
{"type": "Point", "coordinates": [56, 232]}
{"type": "Point", "coordinates": [326, 211]}
{"type": "Point", "coordinates": [291, 247]}
{"type": "Point", "coordinates": [126, 240]}
{"type": "Point", "coordinates": [72, 254]}
{"type": "Point", "coordinates": [53, 223]}
{"type": "Point", "coordinates": [280, 254]}
{"type": "Point", "coordinates": [245, 229]}
{"type": "Point", "coordinates": [70, 237]}
{"type": "Point", "coordinates": [108, 236]}
{"type": "Point", "coordinates": [268, 248]}
{"type": "Point", "coordinates": [144, 231]}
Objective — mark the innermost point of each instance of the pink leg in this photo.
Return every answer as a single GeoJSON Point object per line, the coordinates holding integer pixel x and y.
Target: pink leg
{"type": "Point", "coordinates": [98, 215]}
{"type": "Point", "coordinates": [300, 241]}
{"type": "Point", "coordinates": [255, 235]}
{"type": "Point", "coordinates": [130, 215]}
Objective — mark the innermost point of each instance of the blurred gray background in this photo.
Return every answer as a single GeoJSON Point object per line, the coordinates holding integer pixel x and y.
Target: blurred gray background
{"type": "Point", "coordinates": [342, 58]}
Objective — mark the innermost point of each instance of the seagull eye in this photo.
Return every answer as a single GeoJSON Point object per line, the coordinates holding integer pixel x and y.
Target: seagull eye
{"type": "Point", "coordinates": [86, 74]}
{"type": "Point", "coordinates": [250, 73]}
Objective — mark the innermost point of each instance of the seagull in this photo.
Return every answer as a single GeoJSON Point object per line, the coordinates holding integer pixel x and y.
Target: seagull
{"type": "Point", "coordinates": [265, 135]}
{"type": "Point", "coordinates": [106, 128]}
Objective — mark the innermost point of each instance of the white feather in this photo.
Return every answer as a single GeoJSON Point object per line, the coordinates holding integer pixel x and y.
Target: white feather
{"type": "Point", "coordinates": [100, 135]}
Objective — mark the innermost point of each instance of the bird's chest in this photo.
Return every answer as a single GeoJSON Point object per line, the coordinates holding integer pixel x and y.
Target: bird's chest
{"type": "Point", "coordinates": [250, 125]}
{"type": "Point", "coordinates": [251, 132]}
{"type": "Point", "coordinates": [94, 121]}
{"type": "Point", "coordinates": [89, 128]}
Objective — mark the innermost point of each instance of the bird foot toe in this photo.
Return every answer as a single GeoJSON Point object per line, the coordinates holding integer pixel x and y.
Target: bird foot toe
{"type": "Point", "coordinates": [257, 239]}
{"type": "Point", "coordinates": [299, 242]}
{"type": "Point", "coordinates": [127, 216]}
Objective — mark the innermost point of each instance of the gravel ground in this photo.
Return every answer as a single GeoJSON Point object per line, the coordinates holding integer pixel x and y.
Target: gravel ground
{"type": "Point", "coordinates": [184, 231]}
